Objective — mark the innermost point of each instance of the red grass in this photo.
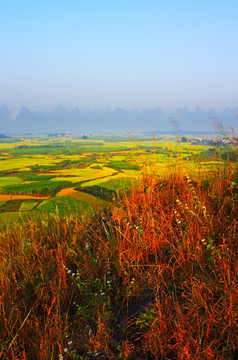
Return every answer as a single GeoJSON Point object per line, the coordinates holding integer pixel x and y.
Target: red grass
{"type": "Point", "coordinates": [154, 278]}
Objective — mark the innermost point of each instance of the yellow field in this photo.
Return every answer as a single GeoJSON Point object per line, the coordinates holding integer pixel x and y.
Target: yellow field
{"type": "Point", "coordinates": [24, 162]}
{"type": "Point", "coordinates": [122, 176]}
{"type": "Point", "coordinates": [88, 163]}
{"type": "Point", "coordinates": [85, 174]}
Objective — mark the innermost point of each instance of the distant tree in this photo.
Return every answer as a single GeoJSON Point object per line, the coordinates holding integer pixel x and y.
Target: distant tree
{"type": "Point", "coordinates": [84, 137]}
{"type": "Point", "coordinates": [184, 139]}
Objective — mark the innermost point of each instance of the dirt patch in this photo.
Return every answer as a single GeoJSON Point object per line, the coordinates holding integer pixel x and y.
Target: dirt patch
{"type": "Point", "coordinates": [21, 197]}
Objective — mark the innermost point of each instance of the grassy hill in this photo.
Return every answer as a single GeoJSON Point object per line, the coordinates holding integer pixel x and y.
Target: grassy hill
{"type": "Point", "coordinates": [152, 277]}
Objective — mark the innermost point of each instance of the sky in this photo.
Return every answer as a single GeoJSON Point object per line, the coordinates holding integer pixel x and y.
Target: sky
{"type": "Point", "coordinates": [133, 54]}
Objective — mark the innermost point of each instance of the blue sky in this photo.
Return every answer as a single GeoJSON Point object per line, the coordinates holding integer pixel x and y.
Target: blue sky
{"type": "Point", "coordinates": [119, 53]}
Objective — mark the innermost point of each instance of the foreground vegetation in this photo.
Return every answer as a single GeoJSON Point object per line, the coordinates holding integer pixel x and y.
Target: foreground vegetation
{"type": "Point", "coordinates": [153, 276]}
{"type": "Point", "coordinates": [118, 250]}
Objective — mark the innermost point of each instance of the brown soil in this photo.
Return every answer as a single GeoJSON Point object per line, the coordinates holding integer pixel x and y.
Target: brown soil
{"type": "Point", "coordinates": [21, 197]}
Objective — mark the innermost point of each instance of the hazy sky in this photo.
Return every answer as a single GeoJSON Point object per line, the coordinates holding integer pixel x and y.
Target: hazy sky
{"type": "Point", "coordinates": [126, 53]}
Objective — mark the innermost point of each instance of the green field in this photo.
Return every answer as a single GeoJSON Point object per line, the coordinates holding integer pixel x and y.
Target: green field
{"type": "Point", "coordinates": [27, 205]}
{"type": "Point", "coordinates": [43, 166]}
{"type": "Point", "coordinates": [10, 180]}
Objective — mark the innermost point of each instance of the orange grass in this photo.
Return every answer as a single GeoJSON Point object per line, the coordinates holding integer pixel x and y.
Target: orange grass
{"type": "Point", "coordinates": [154, 277]}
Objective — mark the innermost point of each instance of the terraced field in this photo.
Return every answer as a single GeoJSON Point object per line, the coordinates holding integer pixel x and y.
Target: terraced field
{"type": "Point", "coordinates": [53, 175]}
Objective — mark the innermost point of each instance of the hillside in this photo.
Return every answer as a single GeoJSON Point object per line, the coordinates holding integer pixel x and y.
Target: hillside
{"type": "Point", "coordinates": [152, 277]}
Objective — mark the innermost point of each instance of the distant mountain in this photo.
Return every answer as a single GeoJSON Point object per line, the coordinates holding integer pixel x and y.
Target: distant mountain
{"type": "Point", "coordinates": [4, 112]}
{"type": "Point", "coordinates": [4, 118]}
{"type": "Point", "coordinates": [26, 121]}
{"type": "Point", "coordinates": [25, 115]}
{"type": "Point", "coordinates": [78, 120]}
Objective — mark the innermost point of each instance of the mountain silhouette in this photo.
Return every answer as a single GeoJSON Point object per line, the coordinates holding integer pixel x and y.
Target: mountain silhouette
{"type": "Point", "coordinates": [155, 120]}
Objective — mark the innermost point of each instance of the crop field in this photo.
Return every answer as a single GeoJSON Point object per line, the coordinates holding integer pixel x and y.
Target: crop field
{"type": "Point", "coordinates": [10, 180]}
{"type": "Point", "coordinates": [64, 206]}
{"type": "Point", "coordinates": [49, 167]}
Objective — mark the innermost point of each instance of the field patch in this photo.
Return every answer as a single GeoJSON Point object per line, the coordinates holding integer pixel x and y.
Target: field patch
{"type": "Point", "coordinates": [10, 206]}
{"type": "Point", "coordinates": [10, 180]}
{"type": "Point", "coordinates": [2, 203]}
{"type": "Point", "coordinates": [37, 187]}
{"type": "Point", "coordinates": [101, 192]}
{"type": "Point", "coordinates": [86, 174]}
{"type": "Point", "coordinates": [5, 198]}
{"type": "Point", "coordinates": [123, 165]}
{"type": "Point", "coordinates": [72, 179]}
{"type": "Point", "coordinates": [82, 196]}
{"type": "Point", "coordinates": [115, 181]}
{"type": "Point", "coordinates": [23, 163]}
{"type": "Point", "coordinates": [28, 206]}
{"type": "Point", "coordinates": [35, 177]}
{"type": "Point", "coordinates": [65, 206]}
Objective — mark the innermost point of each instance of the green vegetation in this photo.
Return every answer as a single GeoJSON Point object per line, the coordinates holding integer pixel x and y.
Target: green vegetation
{"type": "Point", "coordinates": [36, 188]}
{"type": "Point", "coordinates": [44, 167]}
{"type": "Point", "coordinates": [123, 165]}
{"type": "Point", "coordinates": [11, 206]}
{"type": "Point", "coordinates": [96, 167]}
{"type": "Point", "coordinates": [9, 180]}
{"type": "Point", "coordinates": [100, 191]}
{"type": "Point", "coordinates": [35, 177]}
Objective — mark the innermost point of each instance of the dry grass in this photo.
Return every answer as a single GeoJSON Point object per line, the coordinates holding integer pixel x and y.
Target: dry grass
{"type": "Point", "coordinates": [154, 277]}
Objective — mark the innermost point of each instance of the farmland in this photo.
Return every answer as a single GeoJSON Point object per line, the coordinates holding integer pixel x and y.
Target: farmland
{"type": "Point", "coordinates": [42, 167]}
